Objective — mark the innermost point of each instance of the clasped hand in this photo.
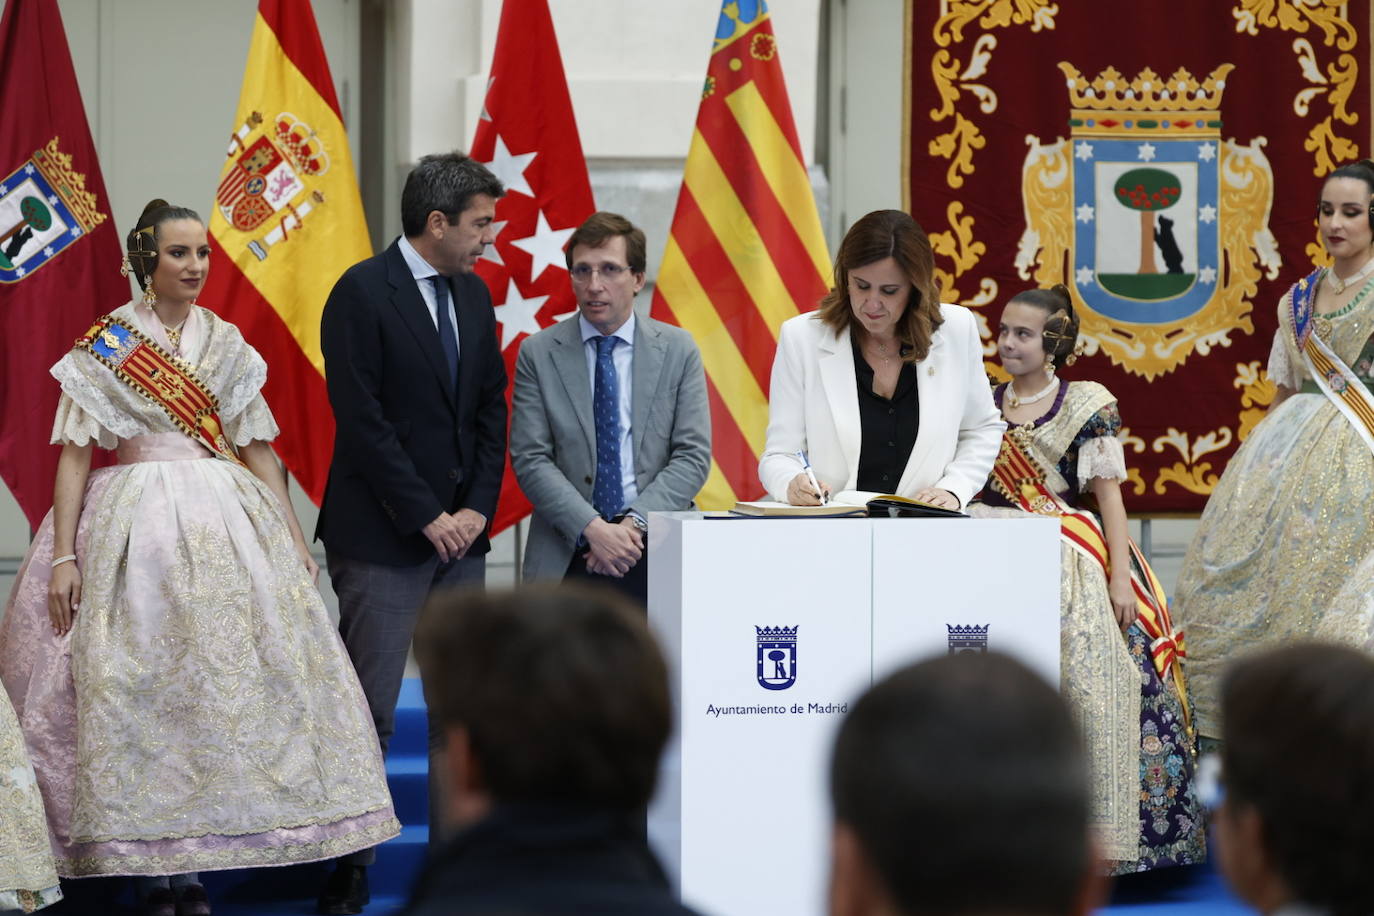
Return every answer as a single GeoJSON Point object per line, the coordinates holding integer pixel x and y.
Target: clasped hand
{"type": "Point", "coordinates": [613, 550]}
{"type": "Point", "coordinates": [452, 535]}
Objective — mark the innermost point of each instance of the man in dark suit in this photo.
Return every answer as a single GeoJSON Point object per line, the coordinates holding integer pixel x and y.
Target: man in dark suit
{"type": "Point", "coordinates": [417, 385]}
{"type": "Point", "coordinates": [556, 705]}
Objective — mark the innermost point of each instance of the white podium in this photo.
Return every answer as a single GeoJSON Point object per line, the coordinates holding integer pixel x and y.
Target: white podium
{"type": "Point", "coordinates": [772, 627]}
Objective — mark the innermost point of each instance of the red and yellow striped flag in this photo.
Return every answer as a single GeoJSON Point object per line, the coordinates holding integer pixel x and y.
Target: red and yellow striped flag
{"type": "Point", "coordinates": [286, 222]}
{"type": "Point", "coordinates": [746, 251]}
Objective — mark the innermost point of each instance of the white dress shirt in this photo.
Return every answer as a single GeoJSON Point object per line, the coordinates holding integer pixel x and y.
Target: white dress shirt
{"type": "Point", "coordinates": [421, 270]}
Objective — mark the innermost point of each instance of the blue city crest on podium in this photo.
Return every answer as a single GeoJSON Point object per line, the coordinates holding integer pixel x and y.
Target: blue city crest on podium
{"type": "Point", "coordinates": [968, 638]}
{"type": "Point", "coordinates": [776, 656]}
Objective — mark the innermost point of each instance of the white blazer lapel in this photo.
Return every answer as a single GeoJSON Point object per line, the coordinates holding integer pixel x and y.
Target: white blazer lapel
{"type": "Point", "coordinates": [836, 365]}
{"type": "Point", "coordinates": [932, 381]}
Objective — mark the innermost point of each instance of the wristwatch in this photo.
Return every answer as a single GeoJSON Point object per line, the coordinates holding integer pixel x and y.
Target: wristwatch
{"type": "Point", "coordinates": [635, 520]}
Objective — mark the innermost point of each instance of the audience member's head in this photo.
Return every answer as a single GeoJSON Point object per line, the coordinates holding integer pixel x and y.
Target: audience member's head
{"type": "Point", "coordinates": [960, 787]}
{"type": "Point", "coordinates": [546, 694]}
{"type": "Point", "coordinates": [1297, 822]}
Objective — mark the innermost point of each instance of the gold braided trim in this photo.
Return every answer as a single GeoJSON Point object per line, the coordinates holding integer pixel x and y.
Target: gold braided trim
{"type": "Point", "coordinates": [220, 859]}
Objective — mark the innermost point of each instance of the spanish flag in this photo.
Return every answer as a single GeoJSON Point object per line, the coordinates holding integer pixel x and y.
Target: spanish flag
{"type": "Point", "coordinates": [746, 251]}
{"type": "Point", "coordinates": [286, 222]}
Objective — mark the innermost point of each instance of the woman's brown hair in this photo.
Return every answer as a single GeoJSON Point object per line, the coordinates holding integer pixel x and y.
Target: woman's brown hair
{"type": "Point", "coordinates": [889, 234]}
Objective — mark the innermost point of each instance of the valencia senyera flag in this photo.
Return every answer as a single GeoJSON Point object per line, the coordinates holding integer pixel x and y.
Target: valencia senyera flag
{"type": "Point", "coordinates": [745, 251]}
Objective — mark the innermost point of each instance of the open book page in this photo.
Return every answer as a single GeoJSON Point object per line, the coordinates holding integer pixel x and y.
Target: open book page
{"type": "Point", "coordinates": [769, 508]}
{"type": "Point", "coordinates": [855, 497]}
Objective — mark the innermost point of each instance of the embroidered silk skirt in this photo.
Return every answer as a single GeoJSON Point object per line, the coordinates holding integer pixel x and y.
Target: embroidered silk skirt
{"type": "Point", "coordinates": [201, 713]}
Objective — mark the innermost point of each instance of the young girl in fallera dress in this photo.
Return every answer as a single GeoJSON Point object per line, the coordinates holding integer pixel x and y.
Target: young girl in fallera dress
{"type": "Point", "coordinates": [1060, 456]}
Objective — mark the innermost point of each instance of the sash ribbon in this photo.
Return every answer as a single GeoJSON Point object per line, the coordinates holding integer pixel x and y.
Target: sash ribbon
{"type": "Point", "coordinates": [1342, 387]}
{"type": "Point", "coordinates": [1020, 479]}
{"type": "Point", "coordinates": [145, 367]}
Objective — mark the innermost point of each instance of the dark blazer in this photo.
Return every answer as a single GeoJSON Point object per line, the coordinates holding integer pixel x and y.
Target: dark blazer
{"type": "Point", "coordinates": [545, 860]}
{"type": "Point", "coordinates": [405, 446]}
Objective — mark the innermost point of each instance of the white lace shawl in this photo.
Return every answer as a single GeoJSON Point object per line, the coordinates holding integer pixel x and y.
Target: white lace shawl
{"type": "Point", "coordinates": [96, 406]}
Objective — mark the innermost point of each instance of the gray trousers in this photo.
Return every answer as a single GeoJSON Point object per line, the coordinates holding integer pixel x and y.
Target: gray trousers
{"type": "Point", "coordinates": [378, 606]}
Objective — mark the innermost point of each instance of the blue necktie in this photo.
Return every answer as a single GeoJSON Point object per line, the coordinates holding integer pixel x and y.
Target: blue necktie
{"type": "Point", "coordinates": [608, 497]}
{"type": "Point", "coordinates": [448, 339]}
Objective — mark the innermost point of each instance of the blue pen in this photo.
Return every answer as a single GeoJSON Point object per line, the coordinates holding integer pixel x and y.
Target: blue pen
{"type": "Point", "coordinates": [811, 476]}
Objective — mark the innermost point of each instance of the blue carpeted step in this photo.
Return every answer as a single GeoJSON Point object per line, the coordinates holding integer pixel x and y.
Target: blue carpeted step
{"type": "Point", "coordinates": [408, 779]}
{"type": "Point", "coordinates": [412, 734]}
{"type": "Point", "coordinates": [399, 861]}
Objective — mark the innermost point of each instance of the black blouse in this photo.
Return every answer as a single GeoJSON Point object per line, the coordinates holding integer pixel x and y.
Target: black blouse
{"type": "Point", "coordinates": [887, 427]}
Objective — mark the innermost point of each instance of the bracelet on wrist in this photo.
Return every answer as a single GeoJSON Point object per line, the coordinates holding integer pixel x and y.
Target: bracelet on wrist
{"type": "Point", "coordinates": [58, 561]}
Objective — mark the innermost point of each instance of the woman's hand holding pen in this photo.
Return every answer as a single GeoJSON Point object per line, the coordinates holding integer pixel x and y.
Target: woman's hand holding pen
{"type": "Point", "coordinates": [800, 492]}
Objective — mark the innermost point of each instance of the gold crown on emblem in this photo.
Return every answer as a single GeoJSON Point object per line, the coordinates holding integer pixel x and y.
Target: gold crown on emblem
{"type": "Point", "coordinates": [1147, 92]}
{"type": "Point", "coordinates": [300, 144]}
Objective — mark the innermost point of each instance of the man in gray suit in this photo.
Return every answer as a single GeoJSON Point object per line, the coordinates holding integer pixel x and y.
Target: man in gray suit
{"type": "Point", "coordinates": [610, 419]}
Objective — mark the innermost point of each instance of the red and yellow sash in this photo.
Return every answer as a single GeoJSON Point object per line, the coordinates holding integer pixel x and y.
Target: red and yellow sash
{"type": "Point", "coordinates": [1021, 480]}
{"type": "Point", "coordinates": [148, 369]}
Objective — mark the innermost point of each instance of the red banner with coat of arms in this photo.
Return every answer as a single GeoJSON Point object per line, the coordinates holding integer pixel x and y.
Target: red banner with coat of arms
{"type": "Point", "coordinates": [1163, 161]}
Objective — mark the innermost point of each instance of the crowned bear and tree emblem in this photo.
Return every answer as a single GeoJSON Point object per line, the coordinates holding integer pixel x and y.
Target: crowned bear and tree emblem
{"type": "Point", "coordinates": [1148, 191]}
{"type": "Point", "coordinates": [1159, 225]}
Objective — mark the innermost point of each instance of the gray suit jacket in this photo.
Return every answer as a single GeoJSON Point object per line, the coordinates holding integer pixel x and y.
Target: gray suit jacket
{"type": "Point", "coordinates": [553, 436]}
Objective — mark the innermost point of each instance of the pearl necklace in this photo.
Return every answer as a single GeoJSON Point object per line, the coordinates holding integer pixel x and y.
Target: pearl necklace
{"type": "Point", "coordinates": [1339, 286]}
{"type": "Point", "coordinates": [1014, 401]}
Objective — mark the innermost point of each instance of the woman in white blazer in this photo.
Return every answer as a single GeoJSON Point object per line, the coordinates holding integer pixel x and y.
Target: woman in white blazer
{"type": "Point", "coordinates": [882, 387]}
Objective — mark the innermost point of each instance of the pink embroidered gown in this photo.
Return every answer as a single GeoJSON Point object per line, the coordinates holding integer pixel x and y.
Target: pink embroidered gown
{"type": "Point", "coordinates": [201, 713]}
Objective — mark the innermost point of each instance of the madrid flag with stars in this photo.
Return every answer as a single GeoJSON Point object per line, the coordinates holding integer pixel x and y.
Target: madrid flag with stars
{"type": "Point", "coordinates": [528, 137]}
{"type": "Point", "coordinates": [745, 251]}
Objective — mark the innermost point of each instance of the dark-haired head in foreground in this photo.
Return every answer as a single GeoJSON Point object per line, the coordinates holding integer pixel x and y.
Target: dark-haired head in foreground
{"type": "Point", "coordinates": [555, 694]}
{"type": "Point", "coordinates": [1297, 823]}
{"type": "Point", "coordinates": [554, 703]}
{"type": "Point", "coordinates": [960, 787]}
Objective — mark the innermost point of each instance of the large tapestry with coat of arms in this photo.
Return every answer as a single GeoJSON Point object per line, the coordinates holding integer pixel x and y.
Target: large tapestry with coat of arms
{"type": "Point", "coordinates": [1162, 160]}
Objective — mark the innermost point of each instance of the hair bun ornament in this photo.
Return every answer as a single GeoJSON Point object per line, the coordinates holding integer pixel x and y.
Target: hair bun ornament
{"type": "Point", "coordinates": [1062, 291]}
{"type": "Point", "coordinates": [1073, 356]}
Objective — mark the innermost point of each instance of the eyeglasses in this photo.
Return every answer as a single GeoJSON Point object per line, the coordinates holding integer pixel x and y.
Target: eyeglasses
{"type": "Point", "coordinates": [582, 273]}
